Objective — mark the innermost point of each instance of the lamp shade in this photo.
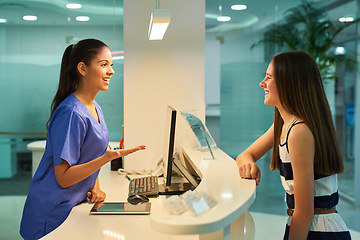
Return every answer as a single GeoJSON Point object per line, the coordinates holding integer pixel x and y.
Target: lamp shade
{"type": "Point", "coordinates": [159, 22]}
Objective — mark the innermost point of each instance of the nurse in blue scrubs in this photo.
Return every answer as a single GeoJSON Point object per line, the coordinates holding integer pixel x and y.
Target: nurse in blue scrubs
{"type": "Point", "coordinates": [77, 141]}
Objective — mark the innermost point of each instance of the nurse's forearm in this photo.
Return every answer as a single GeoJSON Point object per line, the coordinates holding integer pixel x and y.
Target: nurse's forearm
{"type": "Point", "coordinates": [67, 176]}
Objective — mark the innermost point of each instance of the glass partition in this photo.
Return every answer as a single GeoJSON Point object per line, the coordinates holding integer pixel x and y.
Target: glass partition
{"type": "Point", "coordinates": [240, 116]}
{"type": "Point", "coordinates": [30, 58]}
{"type": "Point", "coordinates": [244, 116]}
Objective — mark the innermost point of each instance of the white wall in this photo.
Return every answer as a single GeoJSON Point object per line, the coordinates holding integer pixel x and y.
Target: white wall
{"type": "Point", "coordinates": [160, 73]}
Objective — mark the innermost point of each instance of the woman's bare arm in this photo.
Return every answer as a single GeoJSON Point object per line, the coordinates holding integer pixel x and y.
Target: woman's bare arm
{"type": "Point", "coordinates": [246, 160]}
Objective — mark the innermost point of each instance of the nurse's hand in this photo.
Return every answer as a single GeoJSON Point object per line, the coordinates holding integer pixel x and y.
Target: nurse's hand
{"type": "Point", "coordinates": [116, 153]}
{"type": "Point", "coordinates": [96, 195]}
{"type": "Point", "coordinates": [128, 151]}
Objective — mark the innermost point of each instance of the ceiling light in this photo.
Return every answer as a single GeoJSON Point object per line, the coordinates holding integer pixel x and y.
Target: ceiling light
{"type": "Point", "coordinates": [3, 20]}
{"type": "Point", "coordinates": [159, 21]}
{"type": "Point", "coordinates": [30, 18]}
{"type": "Point", "coordinates": [224, 18]}
{"type": "Point", "coordinates": [346, 19]}
{"type": "Point", "coordinates": [238, 7]}
{"type": "Point", "coordinates": [73, 5]}
{"type": "Point", "coordinates": [82, 18]}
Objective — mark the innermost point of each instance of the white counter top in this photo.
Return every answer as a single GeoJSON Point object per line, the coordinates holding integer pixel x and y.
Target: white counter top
{"type": "Point", "coordinates": [233, 194]}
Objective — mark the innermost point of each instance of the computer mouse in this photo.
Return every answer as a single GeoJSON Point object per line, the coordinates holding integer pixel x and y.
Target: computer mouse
{"type": "Point", "coordinates": [137, 199]}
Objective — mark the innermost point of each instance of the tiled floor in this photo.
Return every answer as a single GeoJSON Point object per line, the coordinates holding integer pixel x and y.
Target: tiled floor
{"type": "Point", "coordinates": [11, 210]}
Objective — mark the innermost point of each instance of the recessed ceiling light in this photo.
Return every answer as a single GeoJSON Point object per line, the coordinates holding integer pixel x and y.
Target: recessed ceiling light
{"type": "Point", "coordinates": [238, 7]}
{"type": "Point", "coordinates": [224, 18]}
{"type": "Point", "coordinates": [73, 5]}
{"type": "Point", "coordinates": [82, 18]}
{"type": "Point", "coordinates": [30, 18]}
{"type": "Point", "coordinates": [3, 20]}
{"type": "Point", "coordinates": [346, 19]}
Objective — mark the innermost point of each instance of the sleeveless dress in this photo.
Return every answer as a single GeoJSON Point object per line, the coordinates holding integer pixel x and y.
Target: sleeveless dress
{"type": "Point", "coordinates": [323, 226]}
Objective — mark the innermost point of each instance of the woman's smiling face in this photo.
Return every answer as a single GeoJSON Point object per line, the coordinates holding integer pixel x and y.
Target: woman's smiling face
{"type": "Point", "coordinates": [269, 85]}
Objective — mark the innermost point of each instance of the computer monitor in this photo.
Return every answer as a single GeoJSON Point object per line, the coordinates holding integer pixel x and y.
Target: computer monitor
{"type": "Point", "coordinates": [170, 187]}
{"type": "Point", "coordinates": [169, 143]}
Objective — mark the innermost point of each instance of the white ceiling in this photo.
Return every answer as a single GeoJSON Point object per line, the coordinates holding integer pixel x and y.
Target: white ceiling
{"type": "Point", "coordinates": [109, 12]}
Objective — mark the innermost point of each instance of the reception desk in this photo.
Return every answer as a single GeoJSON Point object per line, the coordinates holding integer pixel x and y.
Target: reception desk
{"type": "Point", "coordinates": [229, 219]}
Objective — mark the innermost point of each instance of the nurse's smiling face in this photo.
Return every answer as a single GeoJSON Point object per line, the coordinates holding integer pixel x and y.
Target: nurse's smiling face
{"type": "Point", "coordinates": [96, 75]}
{"type": "Point", "coordinates": [270, 88]}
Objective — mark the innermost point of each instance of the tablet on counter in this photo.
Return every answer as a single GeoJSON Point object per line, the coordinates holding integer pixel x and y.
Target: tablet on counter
{"type": "Point", "coordinates": [120, 208]}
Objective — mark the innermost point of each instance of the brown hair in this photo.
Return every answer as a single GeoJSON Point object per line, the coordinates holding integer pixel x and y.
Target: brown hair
{"type": "Point", "coordinates": [84, 51]}
{"type": "Point", "coordinates": [301, 93]}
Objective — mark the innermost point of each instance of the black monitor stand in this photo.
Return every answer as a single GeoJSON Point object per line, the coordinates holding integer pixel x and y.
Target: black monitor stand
{"type": "Point", "coordinates": [175, 188]}
{"type": "Point", "coordinates": [179, 188]}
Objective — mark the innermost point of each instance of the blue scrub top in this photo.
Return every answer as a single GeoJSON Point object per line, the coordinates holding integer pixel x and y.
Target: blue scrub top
{"type": "Point", "coordinates": [75, 136]}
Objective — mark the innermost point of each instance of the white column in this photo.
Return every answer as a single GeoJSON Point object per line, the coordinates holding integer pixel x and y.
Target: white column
{"type": "Point", "coordinates": [160, 73]}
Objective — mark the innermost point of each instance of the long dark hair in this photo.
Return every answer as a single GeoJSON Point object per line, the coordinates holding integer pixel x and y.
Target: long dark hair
{"type": "Point", "coordinates": [83, 51]}
{"type": "Point", "coordinates": [301, 93]}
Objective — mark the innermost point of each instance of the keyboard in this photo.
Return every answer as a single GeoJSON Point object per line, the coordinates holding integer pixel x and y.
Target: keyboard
{"type": "Point", "coordinates": [147, 186]}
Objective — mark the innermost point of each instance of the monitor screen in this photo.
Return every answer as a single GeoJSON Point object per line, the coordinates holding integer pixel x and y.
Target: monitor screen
{"type": "Point", "coordinates": [168, 158]}
{"type": "Point", "coordinates": [169, 143]}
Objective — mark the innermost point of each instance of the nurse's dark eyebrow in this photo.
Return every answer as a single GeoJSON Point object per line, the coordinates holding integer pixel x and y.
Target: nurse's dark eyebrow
{"type": "Point", "coordinates": [104, 60]}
